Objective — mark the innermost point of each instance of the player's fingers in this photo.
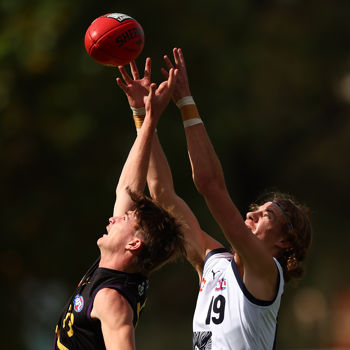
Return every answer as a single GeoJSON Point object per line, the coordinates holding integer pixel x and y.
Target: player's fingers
{"type": "Point", "coordinates": [165, 73]}
{"type": "Point", "coordinates": [176, 73]}
{"type": "Point", "coordinates": [172, 78]}
{"type": "Point", "coordinates": [124, 74]}
{"type": "Point", "coordinates": [147, 73]}
{"type": "Point", "coordinates": [181, 57]}
{"type": "Point", "coordinates": [134, 70]}
{"type": "Point", "coordinates": [167, 83]}
{"type": "Point", "coordinates": [121, 84]}
{"type": "Point", "coordinates": [176, 56]}
{"type": "Point", "coordinates": [168, 62]}
{"type": "Point", "coordinates": [152, 89]}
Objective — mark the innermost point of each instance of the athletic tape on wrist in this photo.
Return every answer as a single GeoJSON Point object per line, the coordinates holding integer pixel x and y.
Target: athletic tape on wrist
{"type": "Point", "coordinates": [138, 111]}
{"type": "Point", "coordinates": [138, 130]}
{"type": "Point", "coordinates": [184, 101]}
{"type": "Point", "coordinates": [138, 120]}
{"type": "Point", "coordinates": [192, 121]}
{"type": "Point", "coordinates": [189, 112]}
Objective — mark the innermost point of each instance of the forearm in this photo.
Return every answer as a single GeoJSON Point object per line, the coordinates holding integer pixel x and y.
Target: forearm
{"type": "Point", "coordinates": [141, 93]}
{"type": "Point", "coordinates": [134, 173]}
{"type": "Point", "coordinates": [135, 168]}
{"type": "Point", "coordinates": [209, 179]}
{"type": "Point", "coordinates": [206, 166]}
{"type": "Point", "coordinates": [160, 183]}
{"type": "Point", "coordinates": [159, 176]}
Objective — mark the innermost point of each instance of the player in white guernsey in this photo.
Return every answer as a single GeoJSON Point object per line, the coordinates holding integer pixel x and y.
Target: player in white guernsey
{"type": "Point", "coordinates": [240, 289]}
{"type": "Point", "coordinates": [227, 315]}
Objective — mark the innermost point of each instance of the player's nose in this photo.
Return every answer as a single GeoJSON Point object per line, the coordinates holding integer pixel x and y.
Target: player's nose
{"type": "Point", "coordinates": [252, 216]}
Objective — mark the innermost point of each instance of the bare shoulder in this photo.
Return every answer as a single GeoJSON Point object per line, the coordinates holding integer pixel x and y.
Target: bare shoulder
{"type": "Point", "coordinates": [115, 315]}
{"type": "Point", "coordinates": [109, 304]}
{"type": "Point", "coordinates": [262, 282]}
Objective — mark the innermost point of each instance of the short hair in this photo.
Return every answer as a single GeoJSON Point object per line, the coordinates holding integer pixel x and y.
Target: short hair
{"type": "Point", "coordinates": [296, 229]}
{"type": "Point", "coordinates": [162, 235]}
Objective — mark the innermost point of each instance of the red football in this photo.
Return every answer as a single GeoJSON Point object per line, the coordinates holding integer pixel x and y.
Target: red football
{"type": "Point", "coordinates": [114, 39]}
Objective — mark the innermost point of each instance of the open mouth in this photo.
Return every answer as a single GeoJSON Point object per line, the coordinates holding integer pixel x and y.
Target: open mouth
{"type": "Point", "coordinates": [250, 228]}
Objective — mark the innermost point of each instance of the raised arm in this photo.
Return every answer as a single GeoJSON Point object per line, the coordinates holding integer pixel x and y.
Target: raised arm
{"type": "Point", "coordinates": [110, 307]}
{"type": "Point", "coordinates": [207, 171]}
{"type": "Point", "coordinates": [133, 175]}
{"type": "Point", "coordinates": [116, 317]}
{"type": "Point", "coordinates": [209, 179]}
{"type": "Point", "coordinates": [159, 177]}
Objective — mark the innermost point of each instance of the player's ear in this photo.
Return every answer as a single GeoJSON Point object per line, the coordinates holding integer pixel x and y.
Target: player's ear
{"type": "Point", "coordinates": [283, 244]}
{"type": "Point", "coordinates": [134, 244]}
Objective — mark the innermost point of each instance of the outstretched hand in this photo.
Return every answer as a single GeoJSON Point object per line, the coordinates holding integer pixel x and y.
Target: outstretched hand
{"type": "Point", "coordinates": [182, 87]}
{"type": "Point", "coordinates": [136, 89]}
{"type": "Point", "coordinates": [158, 98]}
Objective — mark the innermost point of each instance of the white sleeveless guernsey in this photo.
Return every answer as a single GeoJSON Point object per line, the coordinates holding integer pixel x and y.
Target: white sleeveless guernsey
{"type": "Point", "coordinates": [227, 316]}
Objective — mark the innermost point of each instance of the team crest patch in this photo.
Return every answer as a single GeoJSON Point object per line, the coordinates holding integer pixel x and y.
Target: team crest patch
{"type": "Point", "coordinates": [221, 284]}
{"type": "Point", "coordinates": [78, 303]}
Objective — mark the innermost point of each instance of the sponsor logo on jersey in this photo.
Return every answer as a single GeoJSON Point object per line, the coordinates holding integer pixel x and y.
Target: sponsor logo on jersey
{"type": "Point", "coordinates": [78, 303]}
{"type": "Point", "coordinates": [214, 273]}
{"type": "Point", "coordinates": [221, 284]}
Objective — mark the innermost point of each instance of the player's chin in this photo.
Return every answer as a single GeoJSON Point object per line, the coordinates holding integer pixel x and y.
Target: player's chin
{"type": "Point", "coordinates": [255, 232]}
{"type": "Point", "coordinates": [249, 228]}
{"type": "Point", "coordinates": [101, 239]}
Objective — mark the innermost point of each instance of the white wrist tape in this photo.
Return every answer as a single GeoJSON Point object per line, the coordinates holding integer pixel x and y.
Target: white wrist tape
{"type": "Point", "coordinates": [138, 130]}
{"type": "Point", "coordinates": [187, 100]}
{"type": "Point", "coordinates": [192, 121]}
{"type": "Point", "coordinates": [138, 111]}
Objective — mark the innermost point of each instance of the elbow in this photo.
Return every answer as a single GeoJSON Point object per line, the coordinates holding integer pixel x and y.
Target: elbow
{"type": "Point", "coordinates": [201, 182]}
{"type": "Point", "coordinates": [121, 188]}
{"type": "Point", "coordinates": [206, 185]}
{"type": "Point", "coordinates": [160, 193]}
{"type": "Point", "coordinates": [156, 192]}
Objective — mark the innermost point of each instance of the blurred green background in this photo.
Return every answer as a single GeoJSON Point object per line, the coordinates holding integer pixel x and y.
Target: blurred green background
{"type": "Point", "coordinates": [272, 83]}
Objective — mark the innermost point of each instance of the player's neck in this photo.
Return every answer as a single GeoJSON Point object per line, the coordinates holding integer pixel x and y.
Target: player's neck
{"type": "Point", "coordinates": [117, 263]}
{"type": "Point", "coordinates": [239, 264]}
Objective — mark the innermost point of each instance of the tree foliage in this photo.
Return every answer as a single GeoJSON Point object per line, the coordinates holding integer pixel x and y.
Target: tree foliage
{"type": "Point", "coordinates": [272, 84]}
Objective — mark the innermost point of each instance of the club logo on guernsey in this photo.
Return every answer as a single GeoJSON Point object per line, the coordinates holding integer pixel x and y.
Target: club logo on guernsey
{"type": "Point", "coordinates": [142, 287]}
{"type": "Point", "coordinates": [221, 284]}
{"type": "Point", "coordinates": [78, 303]}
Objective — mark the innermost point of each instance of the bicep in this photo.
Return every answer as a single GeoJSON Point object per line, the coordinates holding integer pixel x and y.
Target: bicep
{"type": "Point", "coordinates": [119, 338]}
{"type": "Point", "coordinates": [116, 316]}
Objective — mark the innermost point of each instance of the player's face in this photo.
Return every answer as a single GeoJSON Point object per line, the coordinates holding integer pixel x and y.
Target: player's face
{"type": "Point", "coordinates": [266, 222]}
{"type": "Point", "coordinates": [119, 230]}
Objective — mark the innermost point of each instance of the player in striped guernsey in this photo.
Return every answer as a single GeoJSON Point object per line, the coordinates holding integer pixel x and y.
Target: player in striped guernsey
{"type": "Point", "coordinates": [141, 237]}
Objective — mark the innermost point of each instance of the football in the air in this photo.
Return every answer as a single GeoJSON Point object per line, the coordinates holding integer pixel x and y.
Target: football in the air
{"type": "Point", "coordinates": [114, 39]}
